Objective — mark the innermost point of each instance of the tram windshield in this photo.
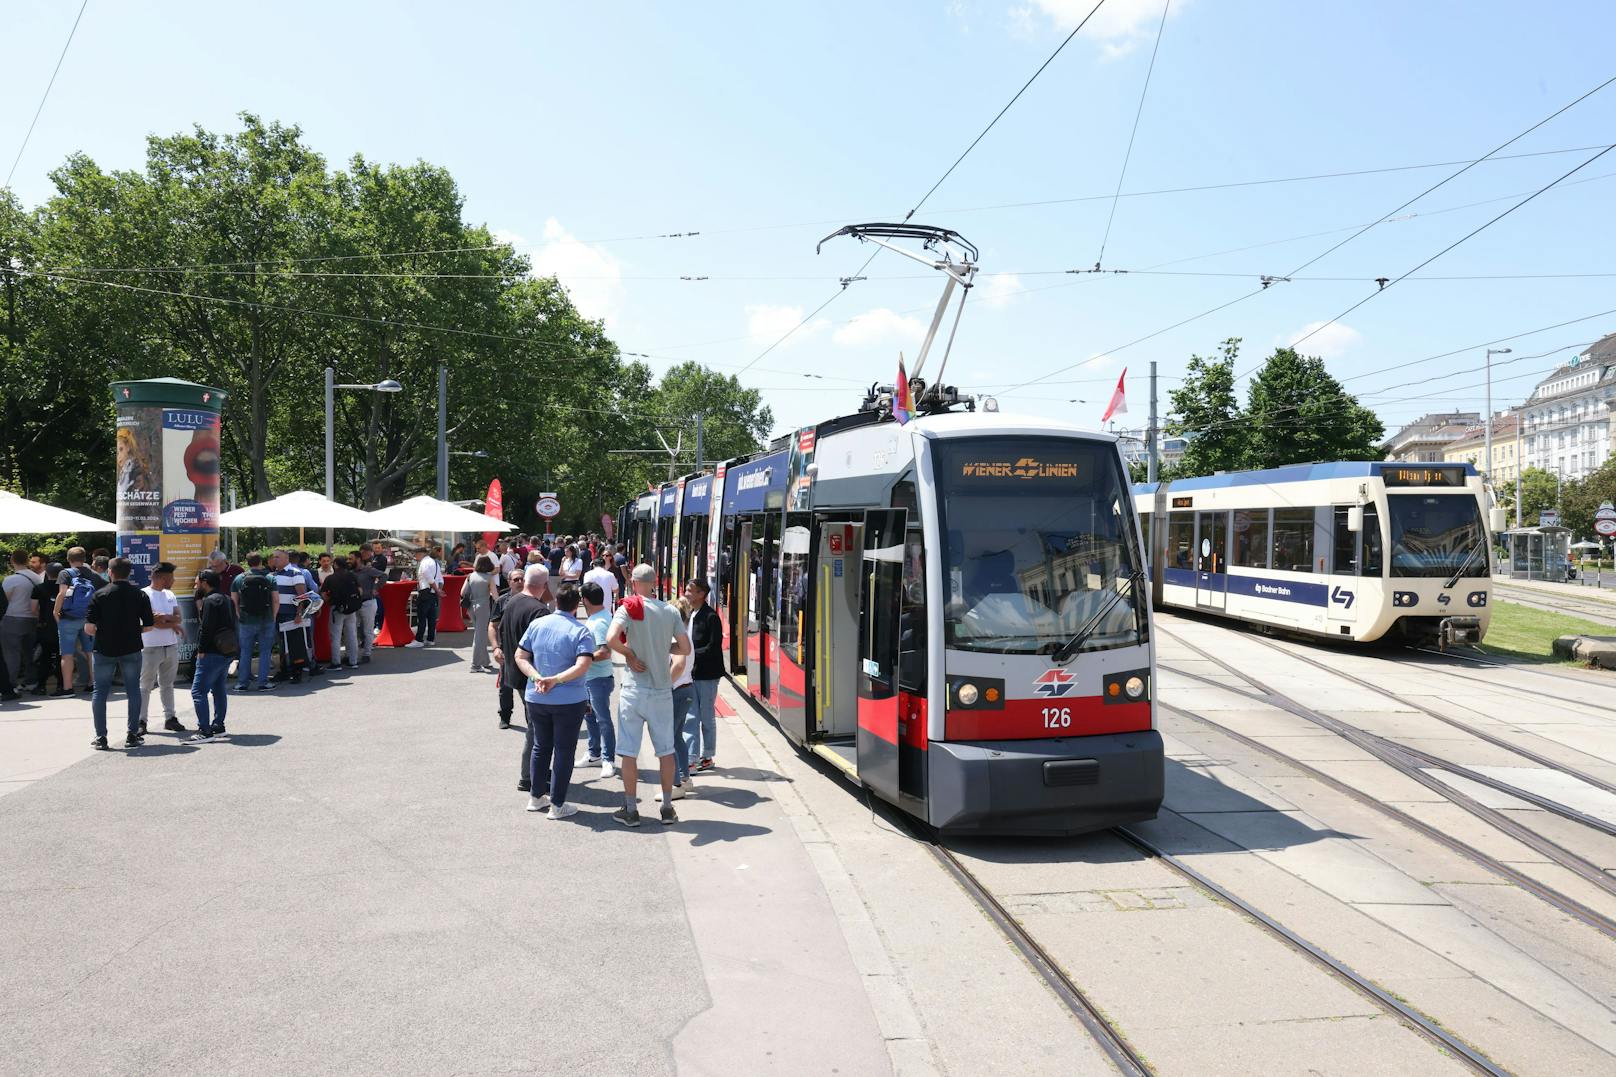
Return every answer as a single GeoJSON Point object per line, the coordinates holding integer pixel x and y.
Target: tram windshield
{"type": "Point", "coordinates": [1040, 546]}
{"type": "Point", "coordinates": [1437, 535]}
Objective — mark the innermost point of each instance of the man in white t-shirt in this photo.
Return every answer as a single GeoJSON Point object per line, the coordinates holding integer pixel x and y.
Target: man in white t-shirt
{"type": "Point", "coordinates": [648, 634]}
{"type": "Point", "coordinates": [608, 584]}
{"type": "Point", "coordinates": [428, 594]}
{"type": "Point", "coordinates": [160, 648]}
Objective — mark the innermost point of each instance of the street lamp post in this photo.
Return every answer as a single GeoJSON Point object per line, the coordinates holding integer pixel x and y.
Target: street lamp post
{"type": "Point", "coordinates": [1490, 353]}
{"type": "Point", "coordinates": [331, 386]}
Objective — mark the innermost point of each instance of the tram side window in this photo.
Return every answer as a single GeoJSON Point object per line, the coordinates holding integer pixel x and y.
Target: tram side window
{"type": "Point", "coordinates": [1293, 540]}
{"type": "Point", "coordinates": [1180, 540]}
{"type": "Point", "coordinates": [1345, 553]}
{"type": "Point", "coordinates": [1250, 539]}
{"type": "Point", "coordinates": [912, 618]}
{"type": "Point", "coordinates": [1371, 542]}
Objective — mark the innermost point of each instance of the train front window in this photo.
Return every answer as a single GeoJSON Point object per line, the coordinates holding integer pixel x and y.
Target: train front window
{"type": "Point", "coordinates": [1040, 546]}
{"type": "Point", "coordinates": [1437, 535]}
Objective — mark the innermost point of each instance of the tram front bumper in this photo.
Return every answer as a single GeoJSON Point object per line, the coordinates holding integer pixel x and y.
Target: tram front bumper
{"type": "Point", "coordinates": [1055, 786]}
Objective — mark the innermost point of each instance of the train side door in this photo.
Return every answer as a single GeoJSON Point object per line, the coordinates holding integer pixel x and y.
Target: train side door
{"type": "Point", "coordinates": [1345, 557]}
{"type": "Point", "coordinates": [795, 669]}
{"type": "Point", "coordinates": [1211, 569]}
{"type": "Point", "coordinates": [838, 561]}
{"type": "Point", "coordinates": [742, 614]}
{"type": "Point", "coordinates": [880, 602]}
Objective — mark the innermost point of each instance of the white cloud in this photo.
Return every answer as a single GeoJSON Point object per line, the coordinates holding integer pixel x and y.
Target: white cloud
{"type": "Point", "coordinates": [773, 323]}
{"type": "Point", "coordinates": [879, 326]}
{"type": "Point", "coordinates": [1327, 343]}
{"type": "Point", "coordinates": [1119, 25]}
{"type": "Point", "coordinates": [1000, 290]}
{"type": "Point", "coordinates": [591, 275]}
{"type": "Point", "coordinates": [505, 235]}
{"type": "Point", "coordinates": [1099, 362]}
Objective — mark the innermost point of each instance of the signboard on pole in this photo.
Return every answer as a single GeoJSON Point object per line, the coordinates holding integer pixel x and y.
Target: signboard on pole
{"type": "Point", "coordinates": [548, 506]}
{"type": "Point", "coordinates": [1605, 519]}
{"type": "Point", "coordinates": [1548, 518]}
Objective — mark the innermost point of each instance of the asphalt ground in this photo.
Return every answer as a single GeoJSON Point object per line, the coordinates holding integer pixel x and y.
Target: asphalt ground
{"type": "Point", "coordinates": [351, 885]}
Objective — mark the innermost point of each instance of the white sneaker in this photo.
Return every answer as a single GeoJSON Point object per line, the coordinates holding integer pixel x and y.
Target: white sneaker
{"type": "Point", "coordinates": [413, 643]}
{"type": "Point", "coordinates": [607, 770]}
{"type": "Point", "coordinates": [561, 811]}
{"type": "Point", "coordinates": [678, 794]}
{"type": "Point", "coordinates": [592, 760]}
{"type": "Point", "coordinates": [537, 803]}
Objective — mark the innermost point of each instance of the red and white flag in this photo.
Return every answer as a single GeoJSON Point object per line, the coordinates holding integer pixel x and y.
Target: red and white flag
{"type": "Point", "coordinates": [1119, 399]}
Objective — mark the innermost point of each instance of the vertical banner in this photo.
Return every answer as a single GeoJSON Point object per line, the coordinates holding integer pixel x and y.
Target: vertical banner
{"type": "Point", "coordinates": [606, 525]}
{"type": "Point", "coordinates": [493, 507]}
{"type": "Point", "coordinates": [167, 434]}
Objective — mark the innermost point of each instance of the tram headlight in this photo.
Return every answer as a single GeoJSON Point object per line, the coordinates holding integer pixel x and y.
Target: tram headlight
{"type": "Point", "coordinates": [968, 694]}
{"type": "Point", "coordinates": [1135, 687]}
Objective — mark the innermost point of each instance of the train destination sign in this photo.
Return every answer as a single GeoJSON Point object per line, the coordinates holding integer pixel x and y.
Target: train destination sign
{"type": "Point", "coordinates": [1024, 468]}
{"type": "Point", "coordinates": [1423, 476]}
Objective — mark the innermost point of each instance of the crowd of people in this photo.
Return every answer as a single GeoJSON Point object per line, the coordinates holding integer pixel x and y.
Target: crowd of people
{"type": "Point", "coordinates": [546, 620]}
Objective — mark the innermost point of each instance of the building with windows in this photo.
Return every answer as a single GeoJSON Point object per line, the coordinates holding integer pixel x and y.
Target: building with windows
{"type": "Point", "coordinates": [1472, 448]}
{"type": "Point", "coordinates": [1566, 423]}
{"type": "Point", "coordinates": [1424, 440]}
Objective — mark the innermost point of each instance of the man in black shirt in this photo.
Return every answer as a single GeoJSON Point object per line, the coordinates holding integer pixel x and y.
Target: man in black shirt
{"type": "Point", "coordinates": [217, 642]}
{"type": "Point", "coordinates": [118, 614]}
{"type": "Point", "coordinates": [511, 619]}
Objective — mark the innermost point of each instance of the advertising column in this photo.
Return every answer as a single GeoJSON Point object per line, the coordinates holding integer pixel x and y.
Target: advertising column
{"type": "Point", "coordinates": [168, 481]}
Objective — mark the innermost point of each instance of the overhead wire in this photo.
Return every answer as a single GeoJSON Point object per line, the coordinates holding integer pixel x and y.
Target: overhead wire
{"type": "Point", "coordinates": [29, 134]}
{"type": "Point", "coordinates": [1127, 155]}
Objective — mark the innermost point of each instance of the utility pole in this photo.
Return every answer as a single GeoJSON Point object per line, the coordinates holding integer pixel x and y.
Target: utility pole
{"type": "Point", "coordinates": [330, 451]}
{"type": "Point", "coordinates": [1151, 462]}
{"type": "Point", "coordinates": [1489, 451]}
{"type": "Point", "coordinates": [1520, 465]}
{"type": "Point", "coordinates": [699, 417]}
{"type": "Point", "coordinates": [443, 433]}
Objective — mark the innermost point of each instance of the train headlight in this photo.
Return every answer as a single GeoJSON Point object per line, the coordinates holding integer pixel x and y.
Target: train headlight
{"type": "Point", "coordinates": [968, 694]}
{"type": "Point", "coordinates": [1135, 687]}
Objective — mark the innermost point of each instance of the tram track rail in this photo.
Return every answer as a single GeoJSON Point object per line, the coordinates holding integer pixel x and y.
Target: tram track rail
{"type": "Point", "coordinates": [1386, 752]}
{"type": "Point", "coordinates": [1515, 667]}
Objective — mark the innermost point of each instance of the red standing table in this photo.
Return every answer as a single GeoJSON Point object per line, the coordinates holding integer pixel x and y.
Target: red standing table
{"type": "Point", "coordinates": [322, 634]}
{"type": "Point", "coordinates": [449, 617]}
{"type": "Point", "coordinates": [396, 628]}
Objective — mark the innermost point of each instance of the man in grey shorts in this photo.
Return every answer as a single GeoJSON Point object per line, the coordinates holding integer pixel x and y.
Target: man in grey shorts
{"type": "Point", "coordinates": [647, 633]}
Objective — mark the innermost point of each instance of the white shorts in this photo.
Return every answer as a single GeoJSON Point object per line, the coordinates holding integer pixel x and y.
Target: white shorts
{"type": "Point", "coordinates": [638, 708]}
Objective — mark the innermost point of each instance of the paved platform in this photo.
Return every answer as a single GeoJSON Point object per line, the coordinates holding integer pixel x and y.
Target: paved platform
{"type": "Point", "coordinates": [351, 886]}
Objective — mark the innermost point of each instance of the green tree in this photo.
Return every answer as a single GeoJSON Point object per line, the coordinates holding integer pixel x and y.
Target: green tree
{"type": "Point", "coordinates": [1582, 498]}
{"type": "Point", "coordinates": [1297, 412]}
{"type": "Point", "coordinates": [1206, 411]}
{"type": "Point", "coordinates": [1539, 490]}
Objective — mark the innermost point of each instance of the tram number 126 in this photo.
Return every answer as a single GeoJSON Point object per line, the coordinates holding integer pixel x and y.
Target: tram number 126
{"type": "Point", "coordinates": [1057, 718]}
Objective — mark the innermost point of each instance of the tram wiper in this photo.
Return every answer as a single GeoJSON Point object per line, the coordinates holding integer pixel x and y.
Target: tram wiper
{"type": "Point", "coordinates": [1069, 648]}
{"type": "Point", "coordinates": [1453, 579]}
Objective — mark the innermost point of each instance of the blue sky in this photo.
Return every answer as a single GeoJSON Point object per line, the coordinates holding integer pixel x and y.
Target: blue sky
{"type": "Point", "coordinates": [574, 127]}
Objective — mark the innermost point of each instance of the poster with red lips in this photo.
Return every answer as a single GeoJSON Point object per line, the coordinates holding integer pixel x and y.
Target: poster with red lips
{"type": "Point", "coordinates": [190, 517]}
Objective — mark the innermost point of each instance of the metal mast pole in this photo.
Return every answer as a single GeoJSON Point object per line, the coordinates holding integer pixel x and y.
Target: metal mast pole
{"type": "Point", "coordinates": [1151, 461]}
{"type": "Point", "coordinates": [443, 434]}
{"type": "Point", "coordinates": [330, 465]}
{"type": "Point", "coordinates": [1519, 466]}
{"type": "Point", "coordinates": [699, 417]}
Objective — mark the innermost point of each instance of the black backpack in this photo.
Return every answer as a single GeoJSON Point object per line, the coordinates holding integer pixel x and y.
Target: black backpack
{"type": "Point", "coordinates": [348, 600]}
{"type": "Point", "coordinates": [256, 592]}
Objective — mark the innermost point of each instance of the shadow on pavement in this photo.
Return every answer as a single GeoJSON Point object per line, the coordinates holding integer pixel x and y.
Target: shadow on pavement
{"type": "Point", "coordinates": [252, 740]}
{"type": "Point", "coordinates": [150, 750]}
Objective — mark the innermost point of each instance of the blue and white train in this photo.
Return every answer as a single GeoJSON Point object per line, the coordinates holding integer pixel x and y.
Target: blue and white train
{"type": "Point", "coordinates": [1355, 550]}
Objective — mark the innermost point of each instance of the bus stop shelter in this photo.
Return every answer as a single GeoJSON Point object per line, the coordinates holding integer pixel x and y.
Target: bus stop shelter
{"type": "Point", "coordinates": [1538, 553]}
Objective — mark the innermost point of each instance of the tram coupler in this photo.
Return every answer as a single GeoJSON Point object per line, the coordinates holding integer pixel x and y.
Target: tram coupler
{"type": "Point", "coordinates": [1454, 631]}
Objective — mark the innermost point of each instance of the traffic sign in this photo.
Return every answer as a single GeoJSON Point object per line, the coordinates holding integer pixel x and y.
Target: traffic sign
{"type": "Point", "coordinates": [1548, 518]}
{"type": "Point", "coordinates": [1606, 526]}
{"type": "Point", "coordinates": [548, 506]}
{"type": "Point", "coordinates": [1607, 511]}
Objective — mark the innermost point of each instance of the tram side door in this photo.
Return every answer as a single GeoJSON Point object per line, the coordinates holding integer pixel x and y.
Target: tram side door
{"type": "Point", "coordinates": [1211, 568]}
{"type": "Point", "coordinates": [838, 559]}
{"type": "Point", "coordinates": [742, 615]}
{"type": "Point", "coordinates": [880, 607]}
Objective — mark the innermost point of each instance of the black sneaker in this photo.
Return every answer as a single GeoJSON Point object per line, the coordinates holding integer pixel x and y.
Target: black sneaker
{"type": "Point", "coordinates": [504, 723]}
{"type": "Point", "coordinates": [268, 686]}
{"type": "Point", "coordinates": [364, 658]}
{"type": "Point", "coordinates": [627, 816]}
{"type": "Point", "coordinates": [99, 744]}
{"type": "Point", "coordinates": [143, 727]}
{"type": "Point", "coordinates": [524, 786]}
{"type": "Point", "coordinates": [62, 692]}
{"type": "Point", "coordinates": [221, 733]}
{"type": "Point", "coordinates": [173, 725]}
{"type": "Point", "coordinates": [669, 816]}
{"type": "Point", "coordinates": [9, 696]}
{"type": "Point", "coordinates": [136, 741]}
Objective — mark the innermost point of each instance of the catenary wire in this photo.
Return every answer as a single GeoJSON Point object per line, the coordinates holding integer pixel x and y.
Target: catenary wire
{"type": "Point", "coordinates": [29, 134]}
{"type": "Point", "coordinates": [1127, 155]}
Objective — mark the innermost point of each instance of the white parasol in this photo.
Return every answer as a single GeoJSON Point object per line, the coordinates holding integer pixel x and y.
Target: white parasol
{"type": "Point", "coordinates": [429, 514]}
{"type": "Point", "coordinates": [301, 508]}
{"type": "Point", "coordinates": [19, 516]}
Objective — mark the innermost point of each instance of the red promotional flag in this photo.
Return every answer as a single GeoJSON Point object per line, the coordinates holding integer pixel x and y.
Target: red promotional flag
{"type": "Point", "coordinates": [903, 408]}
{"type": "Point", "coordinates": [494, 506]}
{"type": "Point", "coordinates": [1119, 399]}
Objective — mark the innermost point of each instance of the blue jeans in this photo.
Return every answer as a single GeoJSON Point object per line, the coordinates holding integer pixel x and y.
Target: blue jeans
{"type": "Point", "coordinates": [248, 634]}
{"type": "Point", "coordinates": [105, 666]}
{"type": "Point", "coordinates": [555, 740]}
{"type": "Point", "coordinates": [701, 734]}
{"type": "Point", "coordinates": [426, 615]}
{"type": "Point", "coordinates": [212, 671]}
{"type": "Point", "coordinates": [598, 719]}
{"type": "Point", "coordinates": [684, 711]}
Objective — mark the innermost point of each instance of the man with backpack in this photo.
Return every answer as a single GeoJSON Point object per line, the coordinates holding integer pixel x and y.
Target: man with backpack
{"type": "Point", "coordinates": [77, 588]}
{"type": "Point", "coordinates": [258, 604]}
{"type": "Point", "coordinates": [341, 590]}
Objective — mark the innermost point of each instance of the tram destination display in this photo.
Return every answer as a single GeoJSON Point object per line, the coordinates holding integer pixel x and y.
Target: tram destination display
{"type": "Point", "coordinates": [1423, 476]}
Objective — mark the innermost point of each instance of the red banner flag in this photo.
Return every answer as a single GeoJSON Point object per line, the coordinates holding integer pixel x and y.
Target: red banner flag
{"type": "Point", "coordinates": [494, 506]}
{"type": "Point", "coordinates": [1119, 399]}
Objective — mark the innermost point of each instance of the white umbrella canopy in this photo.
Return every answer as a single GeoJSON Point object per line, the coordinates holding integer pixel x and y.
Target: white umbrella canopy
{"type": "Point", "coordinates": [301, 508]}
{"type": "Point", "coordinates": [19, 516]}
{"type": "Point", "coordinates": [429, 514]}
